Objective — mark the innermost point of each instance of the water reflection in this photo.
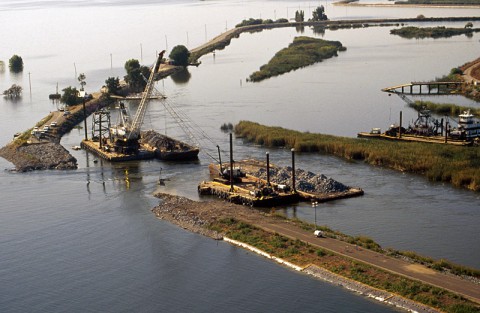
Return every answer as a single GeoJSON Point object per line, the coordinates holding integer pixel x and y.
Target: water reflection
{"type": "Point", "coordinates": [181, 77]}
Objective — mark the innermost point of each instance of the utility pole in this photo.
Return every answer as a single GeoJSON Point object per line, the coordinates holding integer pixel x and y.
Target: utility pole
{"type": "Point", "coordinates": [30, 83]}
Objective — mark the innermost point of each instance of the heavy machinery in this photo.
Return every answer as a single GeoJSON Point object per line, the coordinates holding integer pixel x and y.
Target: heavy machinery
{"type": "Point", "coordinates": [126, 134]}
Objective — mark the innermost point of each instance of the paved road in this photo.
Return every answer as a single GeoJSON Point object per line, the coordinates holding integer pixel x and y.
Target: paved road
{"type": "Point", "coordinates": [397, 266]}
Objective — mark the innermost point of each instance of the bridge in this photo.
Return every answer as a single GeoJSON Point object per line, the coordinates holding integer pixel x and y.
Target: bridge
{"type": "Point", "coordinates": [425, 88]}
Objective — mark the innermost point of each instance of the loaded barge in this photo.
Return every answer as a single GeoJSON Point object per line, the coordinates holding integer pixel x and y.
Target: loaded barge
{"type": "Point", "coordinates": [248, 182]}
{"type": "Point", "coordinates": [125, 141]}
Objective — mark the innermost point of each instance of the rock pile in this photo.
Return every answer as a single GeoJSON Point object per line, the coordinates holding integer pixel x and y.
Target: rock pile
{"type": "Point", "coordinates": [305, 181]}
{"type": "Point", "coordinates": [46, 155]}
{"type": "Point", "coordinates": [162, 142]}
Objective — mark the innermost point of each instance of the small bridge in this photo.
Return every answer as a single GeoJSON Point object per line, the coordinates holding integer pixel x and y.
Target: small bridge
{"type": "Point", "coordinates": [425, 88]}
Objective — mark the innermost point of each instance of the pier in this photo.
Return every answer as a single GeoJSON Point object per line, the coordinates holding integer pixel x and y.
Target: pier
{"type": "Point", "coordinates": [429, 88]}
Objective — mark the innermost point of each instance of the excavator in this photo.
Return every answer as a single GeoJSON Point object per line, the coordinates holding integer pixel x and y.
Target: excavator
{"type": "Point", "coordinates": [125, 135]}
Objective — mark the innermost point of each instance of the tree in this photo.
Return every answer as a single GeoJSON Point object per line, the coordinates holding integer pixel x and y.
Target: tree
{"type": "Point", "coordinates": [319, 14]}
{"type": "Point", "coordinates": [180, 55]}
{"type": "Point", "coordinates": [81, 79]}
{"type": "Point", "coordinates": [299, 16]}
{"type": "Point", "coordinates": [469, 25]}
{"type": "Point", "coordinates": [113, 85]}
{"type": "Point", "coordinates": [135, 75]}
{"type": "Point", "coordinates": [70, 96]}
{"type": "Point", "coordinates": [16, 63]}
{"type": "Point", "coordinates": [13, 92]}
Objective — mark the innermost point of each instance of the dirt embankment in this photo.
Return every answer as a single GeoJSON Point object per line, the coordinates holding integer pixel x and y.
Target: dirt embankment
{"type": "Point", "coordinates": [196, 216]}
{"type": "Point", "coordinates": [29, 153]}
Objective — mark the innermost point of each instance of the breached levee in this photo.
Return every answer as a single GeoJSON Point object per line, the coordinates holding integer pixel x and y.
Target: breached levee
{"type": "Point", "coordinates": [39, 156]}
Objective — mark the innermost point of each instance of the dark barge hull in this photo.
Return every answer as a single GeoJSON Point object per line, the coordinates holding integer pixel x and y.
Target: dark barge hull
{"type": "Point", "coordinates": [187, 155]}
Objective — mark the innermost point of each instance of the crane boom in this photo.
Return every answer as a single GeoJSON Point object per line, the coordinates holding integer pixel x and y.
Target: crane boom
{"type": "Point", "coordinates": [142, 107]}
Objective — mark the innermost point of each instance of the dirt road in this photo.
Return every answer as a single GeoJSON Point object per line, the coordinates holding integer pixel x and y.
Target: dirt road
{"type": "Point", "coordinates": [397, 266]}
{"type": "Point", "coordinates": [194, 216]}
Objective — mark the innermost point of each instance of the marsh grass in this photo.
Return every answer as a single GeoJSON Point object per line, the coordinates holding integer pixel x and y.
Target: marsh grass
{"type": "Point", "coordinates": [432, 32]}
{"type": "Point", "coordinates": [303, 51]}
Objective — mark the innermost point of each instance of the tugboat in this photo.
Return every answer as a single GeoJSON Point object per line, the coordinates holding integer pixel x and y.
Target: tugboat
{"type": "Point", "coordinates": [468, 128]}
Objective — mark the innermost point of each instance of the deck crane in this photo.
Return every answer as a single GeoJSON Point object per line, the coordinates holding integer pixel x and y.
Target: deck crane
{"type": "Point", "coordinates": [125, 136]}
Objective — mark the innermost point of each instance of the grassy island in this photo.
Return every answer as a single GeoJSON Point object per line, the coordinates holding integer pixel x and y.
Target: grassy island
{"type": "Point", "coordinates": [302, 52]}
{"type": "Point", "coordinates": [459, 166]}
{"type": "Point", "coordinates": [432, 32]}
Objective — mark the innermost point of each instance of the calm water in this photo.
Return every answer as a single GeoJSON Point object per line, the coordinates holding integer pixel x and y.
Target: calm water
{"type": "Point", "coordinates": [86, 240]}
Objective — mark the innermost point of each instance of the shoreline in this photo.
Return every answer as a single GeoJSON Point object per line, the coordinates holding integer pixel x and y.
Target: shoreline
{"type": "Point", "coordinates": [349, 284]}
{"type": "Point", "coordinates": [199, 216]}
{"type": "Point", "coordinates": [406, 5]}
{"type": "Point", "coordinates": [35, 159]}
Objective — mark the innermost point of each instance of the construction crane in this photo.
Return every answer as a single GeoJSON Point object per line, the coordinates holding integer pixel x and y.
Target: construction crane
{"type": "Point", "coordinates": [125, 136]}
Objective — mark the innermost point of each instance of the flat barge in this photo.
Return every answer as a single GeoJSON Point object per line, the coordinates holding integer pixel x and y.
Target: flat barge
{"type": "Point", "coordinates": [416, 138]}
{"type": "Point", "coordinates": [248, 191]}
{"type": "Point", "coordinates": [94, 147]}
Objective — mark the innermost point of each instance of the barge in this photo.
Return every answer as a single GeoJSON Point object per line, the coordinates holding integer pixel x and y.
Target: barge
{"type": "Point", "coordinates": [428, 130]}
{"type": "Point", "coordinates": [248, 182]}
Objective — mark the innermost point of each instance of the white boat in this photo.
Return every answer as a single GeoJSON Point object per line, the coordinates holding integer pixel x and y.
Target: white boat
{"type": "Point", "coordinates": [468, 127]}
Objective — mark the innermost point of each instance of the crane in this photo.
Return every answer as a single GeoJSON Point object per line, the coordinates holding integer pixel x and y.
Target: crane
{"type": "Point", "coordinates": [126, 134]}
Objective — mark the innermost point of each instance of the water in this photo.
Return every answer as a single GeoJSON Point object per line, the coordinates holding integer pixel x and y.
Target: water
{"type": "Point", "coordinates": [86, 240]}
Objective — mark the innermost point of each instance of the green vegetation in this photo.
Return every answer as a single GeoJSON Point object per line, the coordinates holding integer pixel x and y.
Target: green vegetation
{"type": "Point", "coordinates": [180, 55]}
{"type": "Point", "coordinates": [113, 85]}
{"type": "Point", "coordinates": [443, 108]}
{"type": "Point", "coordinates": [440, 2]}
{"type": "Point", "coordinates": [70, 96]}
{"type": "Point", "coordinates": [15, 91]}
{"type": "Point", "coordinates": [302, 254]}
{"type": "Point", "coordinates": [432, 32]}
{"type": "Point", "coordinates": [15, 63]}
{"type": "Point", "coordinates": [459, 166]}
{"type": "Point", "coordinates": [135, 75]}
{"type": "Point", "coordinates": [302, 52]}
{"type": "Point", "coordinates": [319, 14]}
{"type": "Point", "coordinates": [259, 21]}
{"type": "Point", "coordinates": [81, 79]}
{"type": "Point", "coordinates": [299, 16]}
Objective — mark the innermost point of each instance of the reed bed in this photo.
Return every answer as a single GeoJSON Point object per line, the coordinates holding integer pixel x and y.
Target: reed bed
{"type": "Point", "coordinates": [459, 166]}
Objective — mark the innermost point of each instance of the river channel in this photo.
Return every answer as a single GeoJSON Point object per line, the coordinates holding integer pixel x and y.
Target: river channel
{"type": "Point", "coordinates": [86, 241]}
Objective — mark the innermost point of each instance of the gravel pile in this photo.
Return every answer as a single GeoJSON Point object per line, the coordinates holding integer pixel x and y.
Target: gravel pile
{"type": "Point", "coordinates": [162, 142]}
{"type": "Point", "coordinates": [181, 211]}
{"type": "Point", "coordinates": [47, 155]}
{"type": "Point", "coordinates": [305, 181]}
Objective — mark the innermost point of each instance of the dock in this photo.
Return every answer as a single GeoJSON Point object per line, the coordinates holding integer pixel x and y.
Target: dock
{"type": "Point", "coordinates": [94, 147]}
{"type": "Point", "coordinates": [429, 88]}
{"type": "Point", "coordinates": [416, 138]}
